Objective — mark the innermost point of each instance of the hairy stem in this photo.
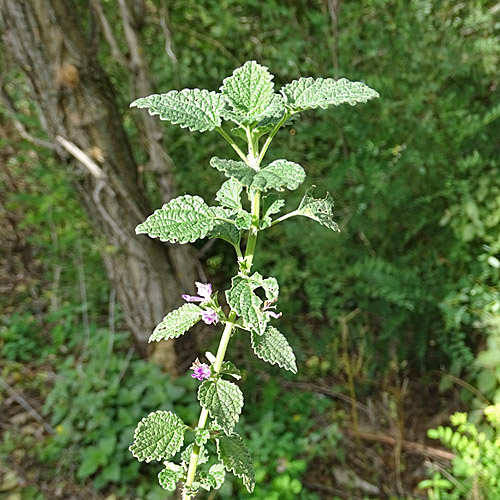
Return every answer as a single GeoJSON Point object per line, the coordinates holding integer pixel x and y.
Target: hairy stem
{"type": "Point", "coordinates": [233, 144]}
{"type": "Point", "coordinates": [202, 421]}
{"type": "Point", "coordinates": [252, 236]}
{"type": "Point", "coordinates": [274, 131]}
{"type": "Point", "coordinates": [224, 341]}
{"type": "Point", "coordinates": [284, 217]}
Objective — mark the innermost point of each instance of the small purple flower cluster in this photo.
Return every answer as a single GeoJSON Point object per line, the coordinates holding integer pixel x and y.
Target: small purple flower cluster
{"type": "Point", "coordinates": [209, 316]}
{"type": "Point", "coordinates": [201, 371]}
{"type": "Point", "coordinates": [268, 304]}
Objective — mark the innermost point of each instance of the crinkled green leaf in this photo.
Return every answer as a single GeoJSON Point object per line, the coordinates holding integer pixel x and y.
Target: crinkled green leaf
{"type": "Point", "coordinates": [201, 436]}
{"type": "Point", "coordinates": [320, 210]}
{"type": "Point", "coordinates": [247, 304]}
{"type": "Point", "coordinates": [243, 220]}
{"type": "Point", "coordinates": [232, 168]}
{"type": "Point", "coordinates": [265, 120]}
{"type": "Point", "coordinates": [214, 478]}
{"type": "Point", "coordinates": [202, 455]}
{"type": "Point", "coordinates": [242, 299]}
{"type": "Point", "coordinates": [248, 91]}
{"type": "Point", "coordinates": [177, 322]}
{"type": "Point", "coordinates": [229, 194]}
{"type": "Point", "coordinates": [278, 175]}
{"type": "Point", "coordinates": [158, 436]}
{"type": "Point", "coordinates": [199, 110]}
{"type": "Point", "coordinates": [271, 287]}
{"type": "Point", "coordinates": [271, 204]}
{"type": "Point", "coordinates": [235, 457]}
{"type": "Point", "coordinates": [170, 476]}
{"type": "Point", "coordinates": [225, 230]}
{"type": "Point", "coordinates": [310, 93]}
{"type": "Point", "coordinates": [228, 368]}
{"type": "Point", "coordinates": [223, 400]}
{"type": "Point", "coordinates": [214, 426]}
{"type": "Point", "coordinates": [274, 348]}
{"type": "Point", "coordinates": [271, 115]}
{"type": "Point", "coordinates": [183, 219]}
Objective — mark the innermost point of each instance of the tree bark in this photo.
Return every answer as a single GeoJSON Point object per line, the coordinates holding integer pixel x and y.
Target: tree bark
{"type": "Point", "coordinates": [78, 108]}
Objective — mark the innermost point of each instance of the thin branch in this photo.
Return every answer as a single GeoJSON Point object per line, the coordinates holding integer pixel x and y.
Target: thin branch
{"type": "Point", "coordinates": [465, 385]}
{"type": "Point", "coordinates": [344, 329]}
{"type": "Point", "coordinates": [99, 174]}
{"type": "Point", "coordinates": [409, 446]}
{"type": "Point", "coordinates": [323, 390]}
{"type": "Point", "coordinates": [212, 41]}
{"type": "Point", "coordinates": [159, 162]}
{"type": "Point", "coordinates": [12, 111]}
{"type": "Point", "coordinates": [272, 134]}
{"type": "Point", "coordinates": [205, 248]}
{"type": "Point", "coordinates": [96, 196]}
{"type": "Point", "coordinates": [230, 140]}
{"type": "Point", "coordinates": [82, 281]}
{"type": "Point", "coordinates": [334, 10]}
{"type": "Point", "coordinates": [495, 9]}
{"type": "Point", "coordinates": [124, 366]}
{"type": "Point", "coordinates": [27, 406]}
{"type": "Point", "coordinates": [82, 157]}
{"type": "Point", "coordinates": [111, 327]}
{"type": "Point", "coordinates": [130, 36]}
{"type": "Point", "coordinates": [108, 32]}
{"type": "Point", "coordinates": [168, 38]}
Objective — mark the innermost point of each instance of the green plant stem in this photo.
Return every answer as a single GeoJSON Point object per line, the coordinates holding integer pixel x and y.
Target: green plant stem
{"type": "Point", "coordinates": [252, 236]}
{"type": "Point", "coordinates": [284, 217]}
{"type": "Point", "coordinates": [202, 421]}
{"type": "Point", "coordinates": [233, 144]}
{"type": "Point", "coordinates": [274, 131]}
{"type": "Point", "coordinates": [226, 336]}
{"type": "Point", "coordinates": [238, 252]}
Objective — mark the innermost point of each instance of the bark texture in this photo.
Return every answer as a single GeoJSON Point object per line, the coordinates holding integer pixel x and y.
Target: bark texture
{"type": "Point", "coordinates": [78, 105]}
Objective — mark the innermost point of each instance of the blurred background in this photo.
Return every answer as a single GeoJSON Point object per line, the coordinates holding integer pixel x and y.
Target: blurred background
{"type": "Point", "coordinates": [395, 320]}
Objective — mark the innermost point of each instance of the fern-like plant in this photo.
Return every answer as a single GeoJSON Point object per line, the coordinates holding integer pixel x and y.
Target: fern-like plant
{"type": "Point", "coordinates": [475, 470]}
{"type": "Point", "coordinates": [248, 102]}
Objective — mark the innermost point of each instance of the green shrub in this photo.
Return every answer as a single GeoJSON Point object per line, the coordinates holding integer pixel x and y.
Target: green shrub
{"type": "Point", "coordinates": [475, 469]}
{"type": "Point", "coordinates": [95, 403]}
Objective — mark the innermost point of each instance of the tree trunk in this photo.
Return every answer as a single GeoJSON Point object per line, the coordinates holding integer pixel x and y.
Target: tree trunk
{"type": "Point", "coordinates": [79, 112]}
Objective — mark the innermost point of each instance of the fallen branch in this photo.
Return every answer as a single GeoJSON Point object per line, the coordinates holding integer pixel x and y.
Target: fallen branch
{"type": "Point", "coordinates": [82, 157]}
{"type": "Point", "coordinates": [320, 389]}
{"type": "Point", "coordinates": [409, 446]}
{"type": "Point", "coordinates": [27, 406]}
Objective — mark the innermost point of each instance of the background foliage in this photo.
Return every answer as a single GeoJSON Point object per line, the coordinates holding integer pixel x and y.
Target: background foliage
{"type": "Point", "coordinates": [414, 176]}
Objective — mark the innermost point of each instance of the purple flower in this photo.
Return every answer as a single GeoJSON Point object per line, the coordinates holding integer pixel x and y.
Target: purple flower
{"type": "Point", "coordinates": [274, 315]}
{"type": "Point", "coordinates": [268, 304]}
{"type": "Point", "coordinates": [209, 316]}
{"type": "Point", "coordinates": [204, 292]}
{"type": "Point", "coordinates": [201, 371]}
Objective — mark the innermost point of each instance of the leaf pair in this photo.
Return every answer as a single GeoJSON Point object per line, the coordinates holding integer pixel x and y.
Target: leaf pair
{"type": "Point", "coordinates": [247, 97]}
{"type": "Point", "coordinates": [187, 218]}
{"type": "Point", "coordinates": [277, 175]}
{"type": "Point", "coordinates": [160, 435]}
